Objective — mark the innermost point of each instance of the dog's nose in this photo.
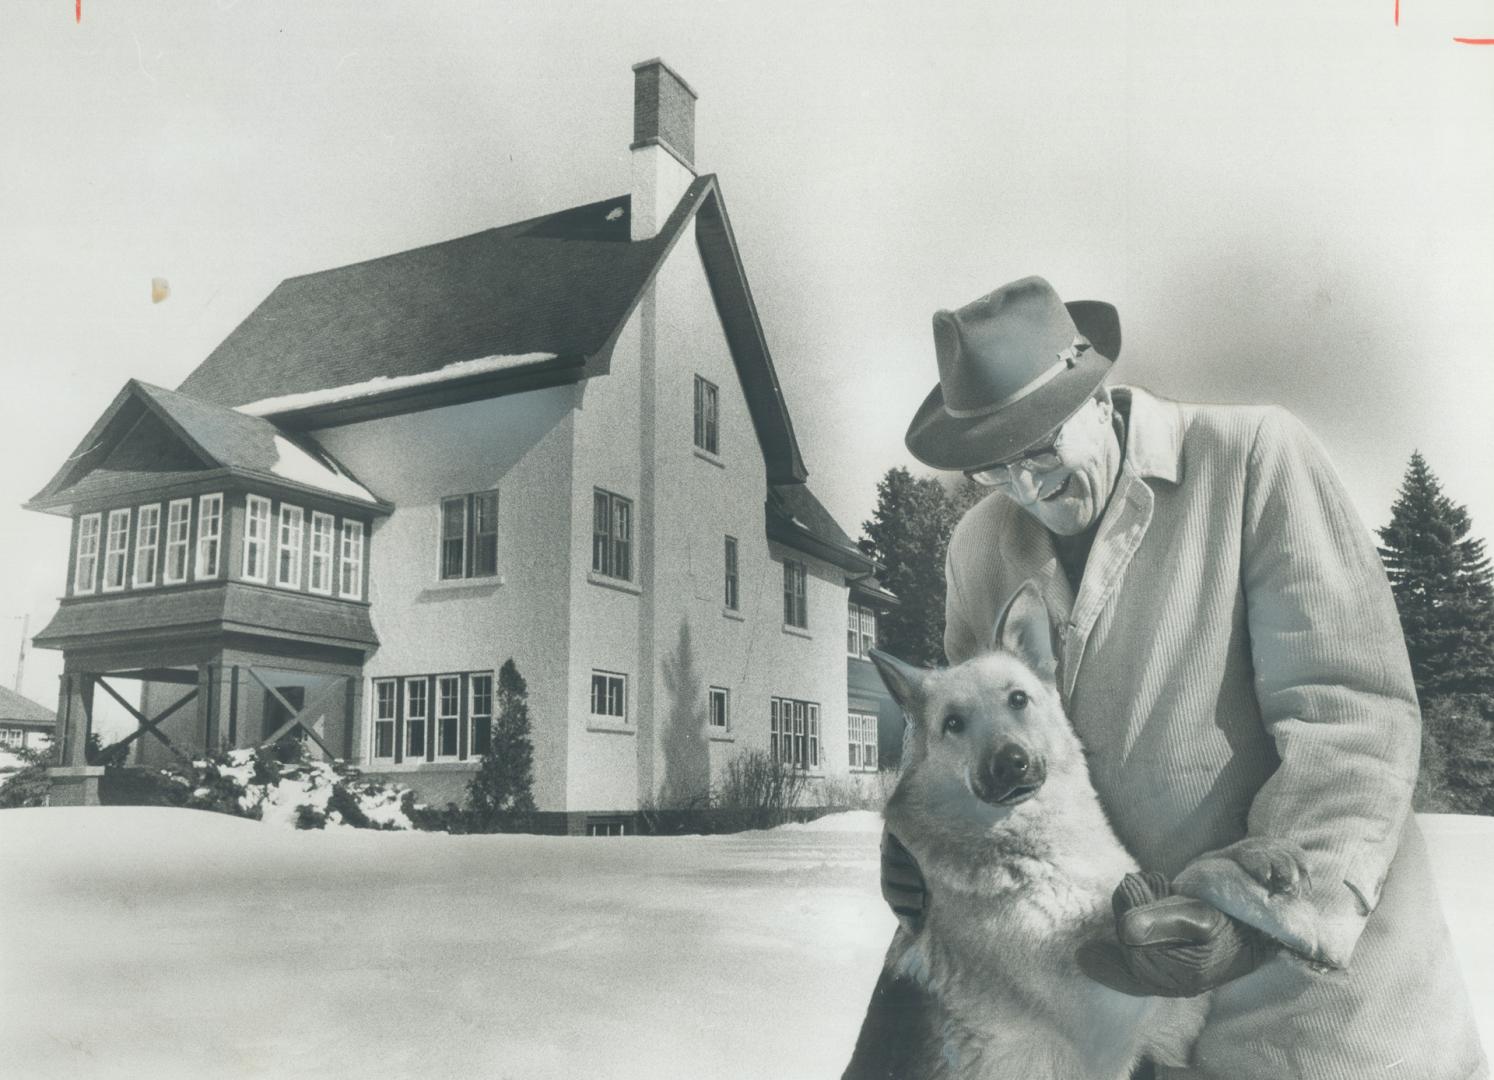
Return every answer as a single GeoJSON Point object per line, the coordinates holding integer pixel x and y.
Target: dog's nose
{"type": "Point", "coordinates": [1008, 775]}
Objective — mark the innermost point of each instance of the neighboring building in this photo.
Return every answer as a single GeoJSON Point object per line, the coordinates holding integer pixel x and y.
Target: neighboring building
{"type": "Point", "coordinates": [24, 725]}
{"type": "Point", "coordinates": [560, 441]}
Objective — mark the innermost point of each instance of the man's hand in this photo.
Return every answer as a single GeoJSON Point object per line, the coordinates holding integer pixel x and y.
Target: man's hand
{"type": "Point", "coordinates": [902, 882]}
{"type": "Point", "coordinates": [1176, 946]}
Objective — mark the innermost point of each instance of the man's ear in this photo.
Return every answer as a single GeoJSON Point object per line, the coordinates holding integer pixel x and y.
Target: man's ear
{"type": "Point", "coordinates": [1022, 629]}
{"type": "Point", "coordinates": [904, 681]}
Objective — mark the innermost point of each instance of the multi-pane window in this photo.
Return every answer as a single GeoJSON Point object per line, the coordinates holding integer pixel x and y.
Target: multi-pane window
{"type": "Point", "coordinates": [323, 529]}
{"type": "Point", "coordinates": [288, 549]}
{"type": "Point", "coordinates": [448, 715]}
{"type": "Point", "coordinates": [731, 573]}
{"type": "Point", "coordinates": [861, 740]}
{"type": "Point", "coordinates": [12, 737]}
{"type": "Point", "coordinates": [116, 550]}
{"type": "Point", "coordinates": [611, 535]}
{"type": "Point", "coordinates": [480, 698]}
{"type": "Point", "coordinates": [861, 630]}
{"type": "Point", "coordinates": [256, 540]}
{"type": "Point", "coordinates": [720, 708]}
{"type": "Point", "coordinates": [147, 545]}
{"type": "Point", "coordinates": [706, 410]}
{"type": "Point", "coordinates": [795, 604]}
{"type": "Point", "coordinates": [351, 585]}
{"type": "Point", "coordinates": [178, 540]}
{"type": "Point", "coordinates": [794, 733]}
{"type": "Point", "coordinates": [609, 695]}
{"type": "Point", "coordinates": [417, 709]}
{"type": "Point", "coordinates": [386, 716]}
{"type": "Point", "coordinates": [86, 566]}
{"type": "Point", "coordinates": [469, 535]}
{"type": "Point", "coordinates": [210, 534]}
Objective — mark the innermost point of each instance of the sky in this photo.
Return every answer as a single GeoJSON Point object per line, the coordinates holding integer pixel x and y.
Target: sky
{"type": "Point", "coordinates": [1287, 204]}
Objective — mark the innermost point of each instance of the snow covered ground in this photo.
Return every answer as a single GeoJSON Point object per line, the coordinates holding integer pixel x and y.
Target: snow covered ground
{"type": "Point", "coordinates": [154, 943]}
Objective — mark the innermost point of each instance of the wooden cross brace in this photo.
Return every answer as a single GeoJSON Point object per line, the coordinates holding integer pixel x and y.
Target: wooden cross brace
{"type": "Point", "coordinates": [148, 724]}
{"type": "Point", "coordinates": [297, 719]}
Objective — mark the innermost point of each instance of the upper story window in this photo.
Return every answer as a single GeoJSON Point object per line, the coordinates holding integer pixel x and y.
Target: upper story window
{"type": "Point", "coordinates": [86, 565]}
{"type": "Point", "coordinates": [323, 532]}
{"type": "Point", "coordinates": [209, 535]}
{"type": "Point", "coordinates": [288, 549]}
{"type": "Point", "coordinates": [861, 630]}
{"type": "Point", "coordinates": [611, 535]}
{"type": "Point", "coordinates": [795, 599]}
{"type": "Point", "coordinates": [178, 538]}
{"type": "Point", "coordinates": [706, 416]}
{"type": "Point", "coordinates": [731, 599]}
{"type": "Point", "coordinates": [116, 550]}
{"type": "Point", "coordinates": [351, 585]}
{"type": "Point", "coordinates": [719, 698]}
{"type": "Point", "coordinates": [469, 535]}
{"type": "Point", "coordinates": [256, 540]}
{"type": "Point", "coordinates": [147, 545]}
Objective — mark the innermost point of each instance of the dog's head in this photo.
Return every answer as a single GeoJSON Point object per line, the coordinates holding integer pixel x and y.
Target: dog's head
{"type": "Point", "coordinates": [984, 738]}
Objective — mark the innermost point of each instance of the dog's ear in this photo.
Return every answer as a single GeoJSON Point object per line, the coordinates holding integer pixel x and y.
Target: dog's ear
{"type": "Point", "coordinates": [1022, 629]}
{"type": "Point", "coordinates": [904, 681]}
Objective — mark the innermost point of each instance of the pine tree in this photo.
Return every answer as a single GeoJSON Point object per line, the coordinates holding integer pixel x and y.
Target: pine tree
{"type": "Point", "coordinates": [504, 784]}
{"type": "Point", "coordinates": [1443, 588]}
{"type": "Point", "coordinates": [908, 535]}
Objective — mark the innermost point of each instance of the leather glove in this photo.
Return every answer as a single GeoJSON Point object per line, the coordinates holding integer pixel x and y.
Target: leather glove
{"type": "Point", "coordinates": [902, 882]}
{"type": "Point", "coordinates": [1176, 946]}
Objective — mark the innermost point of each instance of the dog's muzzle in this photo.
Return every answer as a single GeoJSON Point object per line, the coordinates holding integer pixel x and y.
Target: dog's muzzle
{"type": "Point", "coordinates": [1008, 775]}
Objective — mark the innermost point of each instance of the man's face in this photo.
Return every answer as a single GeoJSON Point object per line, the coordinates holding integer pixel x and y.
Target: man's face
{"type": "Point", "coordinates": [1066, 481]}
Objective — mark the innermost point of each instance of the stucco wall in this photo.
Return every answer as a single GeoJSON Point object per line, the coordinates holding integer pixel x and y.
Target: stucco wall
{"type": "Point", "coordinates": [521, 446]}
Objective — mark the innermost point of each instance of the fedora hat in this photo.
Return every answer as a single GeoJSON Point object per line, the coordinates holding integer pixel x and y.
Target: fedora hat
{"type": "Point", "coordinates": [1013, 365]}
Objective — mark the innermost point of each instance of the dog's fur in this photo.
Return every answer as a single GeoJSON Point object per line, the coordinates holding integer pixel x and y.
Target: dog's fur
{"type": "Point", "coordinates": [1015, 887]}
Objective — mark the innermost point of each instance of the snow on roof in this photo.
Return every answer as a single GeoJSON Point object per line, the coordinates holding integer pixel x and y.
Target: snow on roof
{"type": "Point", "coordinates": [293, 463]}
{"type": "Point", "coordinates": [383, 384]}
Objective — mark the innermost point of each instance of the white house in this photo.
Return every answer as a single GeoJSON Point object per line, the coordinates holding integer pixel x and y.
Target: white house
{"type": "Point", "coordinates": [560, 441]}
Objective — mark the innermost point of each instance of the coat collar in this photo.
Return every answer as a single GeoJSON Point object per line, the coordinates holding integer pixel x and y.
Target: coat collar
{"type": "Point", "coordinates": [1154, 433]}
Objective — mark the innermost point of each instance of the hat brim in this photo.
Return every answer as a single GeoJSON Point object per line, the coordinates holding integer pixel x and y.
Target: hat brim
{"type": "Point", "coordinates": [943, 441]}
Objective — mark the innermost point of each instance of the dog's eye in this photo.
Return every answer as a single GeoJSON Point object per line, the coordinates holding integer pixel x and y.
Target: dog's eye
{"type": "Point", "coordinates": [1017, 699]}
{"type": "Point", "coordinates": [954, 723]}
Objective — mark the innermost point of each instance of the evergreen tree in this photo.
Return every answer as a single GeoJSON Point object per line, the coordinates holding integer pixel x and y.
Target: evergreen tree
{"type": "Point", "coordinates": [504, 783]}
{"type": "Point", "coordinates": [1443, 588]}
{"type": "Point", "coordinates": [908, 535]}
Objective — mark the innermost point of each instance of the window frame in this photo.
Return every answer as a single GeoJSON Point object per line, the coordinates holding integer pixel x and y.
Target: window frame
{"type": "Point", "coordinates": [707, 416]}
{"type": "Point", "coordinates": [177, 544]}
{"type": "Point", "coordinates": [794, 737]}
{"type": "Point", "coordinates": [205, 569]}
{"type": "Point", "coordinates": [473, 715]}
{"type": "Point", "coordinates": [441, 719]}
{"type": "Point", "coordinates": [471, 537]}
{"type": "Point", "coordinates": [409, 718]}
{"type": "Point", "coordinates": [732, 583]}
{"type": "Point", "coordinates": [257, 540]}
{"type": "Point", "coordinates": [350, 559]}
{"type": "Point", "coordinates": [121, 553]}
{"type": "Point", "coordinates": [327, 557]}
{"type": "Point", "coordinates": [142, 548]}
{"type": "Point", "coordinates": [611, 535]}
{"type": "Point", "coordinates": [89, 546]}
{"type": "Point", "coordinates": [393, 720]}
{"type": "Point", "coordinates": [615, 687]}
{"type": "Point", "coordinates": [860, 725]}
{"type": "Point", "coordinates": [723, 695]}
{"type": "Point", "coordinates": [290, 545]}
{"type": "Point", "coordinates": [795, 594]}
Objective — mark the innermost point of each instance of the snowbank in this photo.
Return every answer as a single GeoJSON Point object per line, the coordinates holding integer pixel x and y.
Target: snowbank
{"type": "Point", "coordinates": [850, 821]}
{"type": "Point", "coordinates": [177, 943]}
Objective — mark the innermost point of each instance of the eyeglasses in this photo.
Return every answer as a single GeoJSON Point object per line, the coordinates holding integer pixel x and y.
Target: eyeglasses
{"type": "Point", "coordinates": [1044, 457]}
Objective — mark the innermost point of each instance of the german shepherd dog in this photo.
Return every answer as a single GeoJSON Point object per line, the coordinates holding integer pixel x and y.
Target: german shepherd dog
{"type": "Point", "coordinates": [995, 803]}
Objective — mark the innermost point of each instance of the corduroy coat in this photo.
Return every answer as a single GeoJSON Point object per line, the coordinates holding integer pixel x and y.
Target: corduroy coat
{"type": "Point", "coordinates": [1234, 664]}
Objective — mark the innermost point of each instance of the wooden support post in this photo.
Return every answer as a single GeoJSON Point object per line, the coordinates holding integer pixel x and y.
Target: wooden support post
{"type": "Point", "coordinates": [207, 705]}
{"type": "Point", "coordinates": [233, 709]}
{"type": "Point", "coordinates": [75, 718]}
{"type": "Point", "coordinates": [350, 715]}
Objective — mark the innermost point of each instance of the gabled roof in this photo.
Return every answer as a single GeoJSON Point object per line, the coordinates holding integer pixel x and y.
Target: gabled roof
{"type": "Point", "coordinates": [536, 303]}
{"type": "Point", "coordinates": [798, 519]}
{"type": "Point", "coordinates": [14, 706]}
{"type": "Point", "coordinates": [151, 438]}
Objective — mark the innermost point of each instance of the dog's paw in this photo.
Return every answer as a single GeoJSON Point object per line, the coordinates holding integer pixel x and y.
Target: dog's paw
{"type": "Point", "coordinates": [1278, 866]}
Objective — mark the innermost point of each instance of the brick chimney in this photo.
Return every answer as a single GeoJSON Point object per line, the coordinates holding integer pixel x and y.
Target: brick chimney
{"type": "Point", "coordinates": [663, 147]}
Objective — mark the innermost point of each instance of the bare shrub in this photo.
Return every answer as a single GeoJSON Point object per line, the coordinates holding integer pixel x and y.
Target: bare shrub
{"type": "Point", "coordinates": [762, 789]}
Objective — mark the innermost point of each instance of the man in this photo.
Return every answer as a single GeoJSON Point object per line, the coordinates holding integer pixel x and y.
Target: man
{"type": "Point", "coordinates": [1231, 657]}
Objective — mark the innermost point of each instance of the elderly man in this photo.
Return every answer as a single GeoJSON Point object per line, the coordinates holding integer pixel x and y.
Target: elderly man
{"type": "Point", "coordinates": [1231, 658]}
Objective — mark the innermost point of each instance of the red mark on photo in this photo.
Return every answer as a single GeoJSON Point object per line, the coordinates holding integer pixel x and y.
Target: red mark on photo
{"type": "Point", "coordinates": [78, 10]}
{"type": "Point", "coordinates": [1459, 40]}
